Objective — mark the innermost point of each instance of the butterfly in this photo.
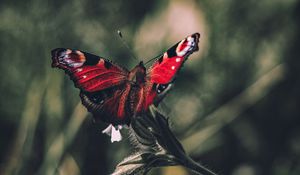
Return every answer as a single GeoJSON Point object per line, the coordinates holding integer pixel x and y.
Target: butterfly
{"type": "Point", "coordinates": [114, 94]}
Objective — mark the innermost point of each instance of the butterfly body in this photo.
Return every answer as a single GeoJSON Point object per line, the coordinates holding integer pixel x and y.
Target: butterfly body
{"type": "Point", "coordinates": [112, 93]}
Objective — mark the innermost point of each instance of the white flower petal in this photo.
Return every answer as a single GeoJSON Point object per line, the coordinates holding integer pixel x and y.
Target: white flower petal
{"type": "Point", "coordinates": [113, 132]}
{"type": "Point", "coordinates": [108, 130]}
{"type": "Point", "coordinates": [115, 135]}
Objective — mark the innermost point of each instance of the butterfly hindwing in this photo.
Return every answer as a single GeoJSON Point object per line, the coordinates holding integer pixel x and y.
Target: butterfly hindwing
{"type": "Point", "coordinates": [109, 105]}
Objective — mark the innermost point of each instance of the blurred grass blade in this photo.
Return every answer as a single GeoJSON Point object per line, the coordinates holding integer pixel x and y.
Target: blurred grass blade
{"type": "Point", "coordinates": [62, 141]}
{"type": "Point", "coordinates": [228, 112]}
{"type": "Point", "coordinates": [22, 147]}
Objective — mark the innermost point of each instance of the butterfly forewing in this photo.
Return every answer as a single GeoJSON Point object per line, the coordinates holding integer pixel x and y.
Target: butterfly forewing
{"type": "Point", "coordinates": [89, 72]}
{"type": "Point", "coordinates": [164, 69]}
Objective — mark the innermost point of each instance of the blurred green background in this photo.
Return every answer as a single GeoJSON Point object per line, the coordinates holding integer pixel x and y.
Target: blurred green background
{"type": "Point", "coordinates": [235, 105]}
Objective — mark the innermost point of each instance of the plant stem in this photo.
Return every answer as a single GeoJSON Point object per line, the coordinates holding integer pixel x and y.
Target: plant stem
{"type": "Point", "coordinates": [196, 167]}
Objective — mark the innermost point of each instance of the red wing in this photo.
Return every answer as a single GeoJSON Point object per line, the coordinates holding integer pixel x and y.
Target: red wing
{"type": "Point", "coordinates": [166, 67]}
{"type": "Point", "coordinates": [89, 72]}
{"type": "Point", "coordinates": [154, 93]}
{"type": "Point", "coordinates": [108, 105]}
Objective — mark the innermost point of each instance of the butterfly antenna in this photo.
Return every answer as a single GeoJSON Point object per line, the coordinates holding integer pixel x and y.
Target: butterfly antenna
{"type": "Point", "coordinates": [126, 45]}
{"type": "Point", "coordinates": [153, 58]}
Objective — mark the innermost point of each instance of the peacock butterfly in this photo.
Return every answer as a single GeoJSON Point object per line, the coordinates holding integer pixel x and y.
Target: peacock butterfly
{"type": "Point", "coordinates": [111, 92]}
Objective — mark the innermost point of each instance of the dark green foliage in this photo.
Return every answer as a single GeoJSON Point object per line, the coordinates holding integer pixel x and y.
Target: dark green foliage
{"type": "Point", "coordinates": [156, 146]}
{"type": "Point", "coordinates": [235, 106]}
